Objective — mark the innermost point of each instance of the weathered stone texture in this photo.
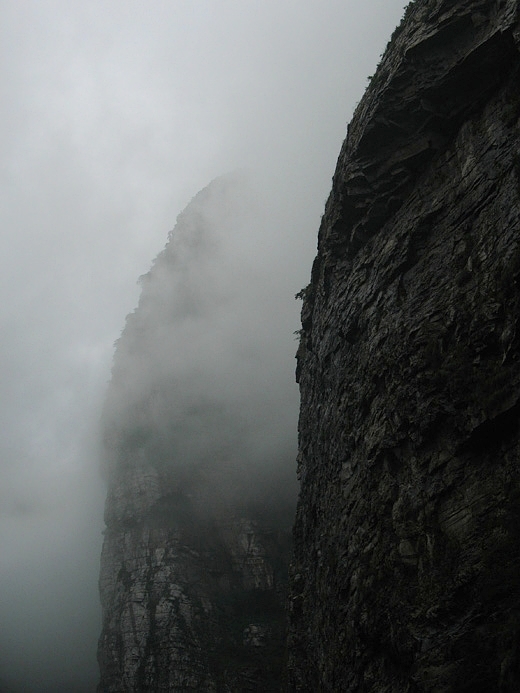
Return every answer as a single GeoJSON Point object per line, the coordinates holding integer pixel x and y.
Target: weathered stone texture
{"type": "Point", "coordinates": [406, 574]}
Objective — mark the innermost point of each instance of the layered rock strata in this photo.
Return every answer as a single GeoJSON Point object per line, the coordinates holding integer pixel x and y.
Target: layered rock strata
{"type": "Point", "coordinates": [407, 539]}
{"type": "Point", "coordinates": [194, 562]}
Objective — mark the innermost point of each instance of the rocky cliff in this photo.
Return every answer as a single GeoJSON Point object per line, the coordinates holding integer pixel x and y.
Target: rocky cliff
{"type": "Point", "coordinates": [406, 574]}
{"type": "Point", "coordinates": [198, 517]}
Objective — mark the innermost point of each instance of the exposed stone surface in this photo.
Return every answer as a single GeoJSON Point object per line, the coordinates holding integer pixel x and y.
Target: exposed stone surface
{"type": "Point", "coordinates": [406, 574]}
{"type": "Point", "coordinates": [194, 563]}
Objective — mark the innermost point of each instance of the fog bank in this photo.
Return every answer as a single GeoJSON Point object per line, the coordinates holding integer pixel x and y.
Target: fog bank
{"type": "Point", "coordinates": [115, 115]}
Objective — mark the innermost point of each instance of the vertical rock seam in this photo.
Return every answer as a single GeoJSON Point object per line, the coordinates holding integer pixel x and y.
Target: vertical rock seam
{"type": "Point", "coordinates": [406, 574]}
{"type": "Point", "coordinates": [193, 570]}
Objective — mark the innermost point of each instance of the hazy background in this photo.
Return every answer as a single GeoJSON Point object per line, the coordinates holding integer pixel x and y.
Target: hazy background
{"type": "Point", "coordinates": [114, 114]}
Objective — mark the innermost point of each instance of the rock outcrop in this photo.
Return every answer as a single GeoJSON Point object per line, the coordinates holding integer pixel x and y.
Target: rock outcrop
{"type": "Point", "coordinates": [406, 574]}
{"type": "Point", "coordinates": [194, 562]}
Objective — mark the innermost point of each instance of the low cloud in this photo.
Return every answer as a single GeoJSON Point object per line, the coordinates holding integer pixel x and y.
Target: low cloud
{"type": "Point", "coordinates": [115, 115]}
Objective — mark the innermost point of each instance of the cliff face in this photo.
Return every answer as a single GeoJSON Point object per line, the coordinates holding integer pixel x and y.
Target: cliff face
{"type": "Point", "coordinates": [406, 574]}
{"type": "Point", "coordinates": [194, 563]}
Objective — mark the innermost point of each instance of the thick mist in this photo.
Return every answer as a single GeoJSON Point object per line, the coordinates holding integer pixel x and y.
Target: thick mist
{"type": "Point", "coordinates": [115, 114]}
{"type": "Point", "coordinates": [202, 378]}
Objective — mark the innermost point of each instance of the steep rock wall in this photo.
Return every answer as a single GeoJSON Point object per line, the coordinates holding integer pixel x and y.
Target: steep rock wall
{"type": "Point", "coordinates": [407, 538]}
{"type": "Point", "coordinates": [197, 539]}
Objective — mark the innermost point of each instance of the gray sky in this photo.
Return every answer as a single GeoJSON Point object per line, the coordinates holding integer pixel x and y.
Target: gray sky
{"type": "Point", "coordinates": [114, 114]}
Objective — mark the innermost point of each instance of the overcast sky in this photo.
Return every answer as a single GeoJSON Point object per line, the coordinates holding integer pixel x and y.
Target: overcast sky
{"type": "Point", "coordinates": [114, 114]}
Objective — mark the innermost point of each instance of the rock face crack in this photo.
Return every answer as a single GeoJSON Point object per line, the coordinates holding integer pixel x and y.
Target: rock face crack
{"type": "Point", "coordinates": [407, 561]}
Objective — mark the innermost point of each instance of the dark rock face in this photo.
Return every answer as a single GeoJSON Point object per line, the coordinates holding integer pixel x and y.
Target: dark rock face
{"type": "Point", "coordinates": [406, 574]}
{"type": "Point", "coordinates": [194, 563]}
